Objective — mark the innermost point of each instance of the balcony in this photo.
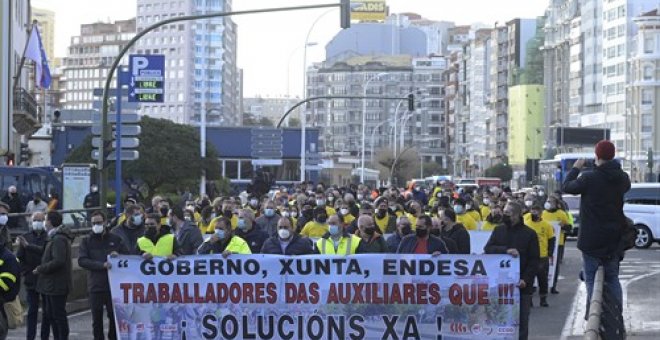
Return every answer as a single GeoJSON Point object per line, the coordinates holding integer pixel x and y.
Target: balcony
{"type": "Point", "coordinates": [26, 119]}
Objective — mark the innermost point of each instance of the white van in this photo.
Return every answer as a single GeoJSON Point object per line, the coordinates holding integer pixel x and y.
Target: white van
{"type": "Point", "coordinates": [642, 205]}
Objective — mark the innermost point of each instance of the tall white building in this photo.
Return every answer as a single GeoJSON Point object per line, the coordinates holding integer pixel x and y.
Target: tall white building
{"type": "Point", "coordinates": [200, 72]}
{"type": "Point", "coordinates": [618, 44]}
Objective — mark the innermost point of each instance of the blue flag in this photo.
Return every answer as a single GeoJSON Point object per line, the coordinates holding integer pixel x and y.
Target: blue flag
{"type": "Point", "coordinates": [35, 52]}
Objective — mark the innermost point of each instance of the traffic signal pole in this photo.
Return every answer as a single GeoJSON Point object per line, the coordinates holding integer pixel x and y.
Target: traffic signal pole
{"type": "Point", "coordinates": [106, 131]}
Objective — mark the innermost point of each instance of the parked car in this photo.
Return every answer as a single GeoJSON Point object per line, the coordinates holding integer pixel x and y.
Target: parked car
{"type": "Point", "coordinates": [573, 202]}
{"type": "Point", "coordinates": [642, 205]}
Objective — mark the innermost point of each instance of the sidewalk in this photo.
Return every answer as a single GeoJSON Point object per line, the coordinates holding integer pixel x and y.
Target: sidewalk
{"type": "Point", "coordinates": [72, 307]}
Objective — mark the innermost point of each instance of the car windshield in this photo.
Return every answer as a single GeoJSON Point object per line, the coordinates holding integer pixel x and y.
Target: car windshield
{"type": "Point", "coordinates": [573, 202]}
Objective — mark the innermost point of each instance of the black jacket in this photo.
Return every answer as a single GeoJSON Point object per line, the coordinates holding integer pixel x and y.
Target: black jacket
{"type": "Point", "coordinates": [255, 238]}
{"type": "Point", "coordinates": [297, 246]}
{"type": "Point", "coordinates": [15, 206]}
{"type": "Point", "coordinates": [30, 256]}
{"type": "Point", "coordinates": [409, 243]}
{"type": "Point", "coordinates": [129, 236]}
{"type": "Point", "coordinates": [451, 244]}
{"type": "Point", "coordinates": [189, 239]}
{"type": "Point", "coordinates": [9, 266]}
{"type": "Point", "coordinates": [376, 245]}
{"type": "Point", "coordinates": [601, 207]}
{"type": "Point", "coordinates": [522, 238]}
{"type": "Point", "coordinates": [92, 200]}
{"type": "Point", "coordinates": [55, 276]}
{"type": "Point", "coordinates": [460, 235]}
{"type": "Point", "coordinates": [93, 254]}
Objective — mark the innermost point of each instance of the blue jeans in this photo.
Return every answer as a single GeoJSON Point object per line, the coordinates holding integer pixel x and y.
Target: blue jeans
{"type": "Point", "coordinates": [611, 268]}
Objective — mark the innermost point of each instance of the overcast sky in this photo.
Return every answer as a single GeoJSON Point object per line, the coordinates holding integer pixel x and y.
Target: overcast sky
{"type": "Point", "coordinates": [270, 44]}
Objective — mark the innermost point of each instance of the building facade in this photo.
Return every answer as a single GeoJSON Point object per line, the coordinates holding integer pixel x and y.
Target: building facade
{"type": "Point", "coordinates": [89, 58]}
{"type": "Point", "coordinates": [389, 124]}
{"type": "Point", "coordinates": [644, 116]}
{"type": "Point", "coordinates": [271, 108]}
{"type": "Point", "coordinates": [201, 72]}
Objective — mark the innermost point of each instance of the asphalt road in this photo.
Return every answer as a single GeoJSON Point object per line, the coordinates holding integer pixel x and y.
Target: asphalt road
{"type": "Point", "coordinates": [640, 277]}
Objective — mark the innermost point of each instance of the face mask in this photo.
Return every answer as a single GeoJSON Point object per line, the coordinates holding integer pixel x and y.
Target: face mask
{"type": "Point", "coordinates": [370, 231]}
{"type": "Point", "coordinates": [413, 211]}
{"type": "Point", "coordinates": [227, 213]}
{"type": "Point", "coordinates": [3, 219]}
{"type": "Point", "coordinates": [136, 219]}
{"type": "Point", "coordinates": [435, 232]}
{"type": "Point", "coordinates": [360, 197]}
{"type": "Point", "coordinates": [269, 212]}
{"type": "Point", "coordinates": [468, 206]}
{"type": "Point", "coordinates": [486, 201]}
{"type": "Point", "coordinates": [286, 214]}
{"type": "Point", "coordinates": [97, 228]}
{"type": "Point", "coordinates": [406, 230]}
{"type": "Point", "coordinates": [220, 233]}
{"type": "Point", "coordinates": [284, 234]}
{"type": "Point", "coordinates": [333, 230]}
{"type": "Point", "coordinates": [541, 193]}
{"type": "Point", "coordinates": [331, 198]}
{"type": "Point", "coordinates": [187, 218]}
{"type": "Point", "coordinates": [294, 214]}
{"type": "Point", "coordinates": [241, 224]}
{"type": "Point", "coordinates": [344, 211]}
{"type": "Point", "coordinates": [37, 225]}
{"type": "Point", "coordinates": [497, 218]}
{"type": "Point", "coordinates": [421, 233]}
{"type": "Point", "coordinates": [36, 201]}
{"type": "Point", "coordinates": [254, 202]}
{"type": "Point", "coordinates": [150, 232]}
{"type": "Point", "coordinates": [95, 189]}
{"type": "Point", "coordinates": [308, 214]}
{"type": "Point", "coordinates": [458, 209]}
{"type": "Point", "coordinates": [548, 206]}
{"type": "Point", "coordinates": [381, 212]}
{"type": "Point", "coordinates": [506, 219]}
{"type": "Point", "coordinates": [320, 202]}
{"type": "Point", "coordinates": [528, 204]}
{"type": "Point", "coordinates": [321, 218]}
{"type": "Point", "coordinates": [438, 195]}
{"type": "Point", "coordinates": [164, 211]}
{"type": "Point", "coordinates": [536, 217]}
{"type": "Point", "coordinates": [393, 207]}
{"type": "Point", "coordinates": [190, 207]}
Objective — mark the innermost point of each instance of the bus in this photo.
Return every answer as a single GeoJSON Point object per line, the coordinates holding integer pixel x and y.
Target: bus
{"type": "Point", "coordinates": [553, 171]}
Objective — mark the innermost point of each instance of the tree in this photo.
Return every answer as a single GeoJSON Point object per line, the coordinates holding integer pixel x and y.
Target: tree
{"type": "Point", "coordinates": [407, 165]}
{"type": "Point", "coordinates": [169, 156]}
{"type": "Point", "coordinates": [251, 120]}
{"type": "Point", "coordinates": [431, 169]}
{"type": "Point", "coordinates": [500, 170]}
{"type": "Point", "coordinates": [294, 122]}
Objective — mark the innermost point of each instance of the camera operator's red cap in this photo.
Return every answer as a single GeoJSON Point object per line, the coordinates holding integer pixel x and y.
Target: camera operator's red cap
{"type": "Point", "coordinates": [605, 150]}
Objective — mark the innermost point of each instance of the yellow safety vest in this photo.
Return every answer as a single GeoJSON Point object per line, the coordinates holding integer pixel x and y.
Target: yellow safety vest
{"type": "Point", "coordinates": [346, 246]}
{"type": "Point", "coordinates": [163, 247]}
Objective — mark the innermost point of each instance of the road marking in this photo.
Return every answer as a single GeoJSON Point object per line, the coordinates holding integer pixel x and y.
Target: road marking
{"type": "Point", "coordinates": [575, 319]}
{"type": "Point", "coordinates": [627, 318]}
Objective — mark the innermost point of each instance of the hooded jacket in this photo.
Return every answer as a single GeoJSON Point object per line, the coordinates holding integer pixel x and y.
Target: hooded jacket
{"type": "Point", "coordinates": [189, 238]}
{"type": "Point", "coordinates": [55, 276]}
{"type": "Point", "coordinates": [601, 207]}
{"type": "Point", "coordinates": [460, 236]}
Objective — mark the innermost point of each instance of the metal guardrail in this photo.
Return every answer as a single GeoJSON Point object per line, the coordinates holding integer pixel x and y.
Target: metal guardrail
{"type": "Point", "coordinates": [592, 331]}
{"type": "Point", "coordinates": [79, 227]}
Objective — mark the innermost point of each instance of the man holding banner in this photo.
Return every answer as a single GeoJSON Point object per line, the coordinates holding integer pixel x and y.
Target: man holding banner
{"type": "Point", "coordinates": [157, 241]}
{"type": "Point", "coordinates": [223, 241]}
{"type": "Point", "coordinates": [513, 237]}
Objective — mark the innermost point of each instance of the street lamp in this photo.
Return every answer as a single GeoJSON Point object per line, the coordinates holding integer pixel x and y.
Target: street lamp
{"type": "Point", "coordinates": [288, 66]}
{"type": "Point", "coordinates": [303, 118]}
{"type": "Point", "coordinates": [364, 122]}
{"type": "Point", "coordinates": [373, 132]}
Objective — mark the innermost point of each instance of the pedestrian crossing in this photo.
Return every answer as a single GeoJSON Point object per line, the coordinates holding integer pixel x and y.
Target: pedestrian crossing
{"type": "Point", "coordinates": [633, 267]}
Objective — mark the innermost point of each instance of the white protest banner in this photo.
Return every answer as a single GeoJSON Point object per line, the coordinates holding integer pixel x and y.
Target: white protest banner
{"type": "Point", "coordinates": [552, 269]}
{"type": "Point", "coordinates": [316, 297]}
{"type": "Point", "coordinates": [478, 240]}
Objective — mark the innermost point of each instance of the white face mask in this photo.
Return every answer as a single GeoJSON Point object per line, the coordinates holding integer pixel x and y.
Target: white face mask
{"type": "Point", "coordinates": [284, 234]}
{"type": "Point", "coordinates": [486, 201]}
{"type": "Point", "coordinates": [344, 211]}
{"type": "Point", "coordinates": [4, 219]}
{"type": "Point", "coordinates": [547, 206]}
{"type": "Point", "coordinates": [528, 204]}
{"type": "Point", "coordinates": [97, 228]}
{"type": "Point", "coordinates": [294, 214]}
{"type": "Point", "coordinates": [37, 225]}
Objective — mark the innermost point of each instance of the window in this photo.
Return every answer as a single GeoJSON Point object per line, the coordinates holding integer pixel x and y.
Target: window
{"type": "Point", "coordinates": [649, 43]}
{"type": "Point", "coordinates": [647, 97]}
{"type": "Point", "coordinates": [648, 72]}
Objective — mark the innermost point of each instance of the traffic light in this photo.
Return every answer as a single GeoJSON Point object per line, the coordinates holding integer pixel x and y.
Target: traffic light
{"type": "Point", "coordinates": [649, 159]}
{"type": "Point", "coordinates": [24, 152]}
{"type": "Point", "coordinates": [411, 102]}
{"type": "Point", "coordinates": [345, 11]}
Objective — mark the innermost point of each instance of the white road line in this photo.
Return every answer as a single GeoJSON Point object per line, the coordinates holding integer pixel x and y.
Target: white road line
{"type": "Point", "coordinates": [627, 318]}
{"type": "Point", "coordinates": [575, 319]}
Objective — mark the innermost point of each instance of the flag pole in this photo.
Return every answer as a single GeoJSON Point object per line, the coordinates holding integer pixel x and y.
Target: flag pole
{"type": "Point", "coordinates": [22, 63]}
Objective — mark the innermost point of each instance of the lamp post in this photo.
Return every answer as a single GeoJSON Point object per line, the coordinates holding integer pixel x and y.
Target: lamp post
{"type": "Point", "coordinates": [373, 133]}
{"type": "Point", "coordinates": [288, 65]}
{"type": "Point", "coordinates": [364, 122]}
{"type": "Point", "coordinates": [303, 118]}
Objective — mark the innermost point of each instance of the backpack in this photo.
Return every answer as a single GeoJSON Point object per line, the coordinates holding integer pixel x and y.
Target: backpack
{"type": "Point", "coordinates": [628, 234]}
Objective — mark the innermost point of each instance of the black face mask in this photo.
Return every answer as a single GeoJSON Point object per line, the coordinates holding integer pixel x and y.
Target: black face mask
{"type": "Point", "coordinates": [413, 211]}
{"type": "Point", "coordinates": [381, 213]}
{"type": "Point", "coordinates": [307, 214]}
{"type": "Point", "coordinates": [435, 232]}
{"type": "Point", "coordinates": [321, 218]}
{"type": "Point", "coordinates": [421, 233]}
{"type": "Point", "coordinates": [164, 211]}
{"type": "Point", "coordinates": [536, 217]}
{"type": "Point", "coordinates": [228, 213]}
{"type": "Point", "coordinates": [506, 219]}
{"type": "Point", "coordinates": [406, 230]}
{"type": "Point", "coordinates": [36, 201]}
{"type": "Point", "coordinates": [494, 218]}
{"type": "Point", "coordinates": [370, 231]}
{"type": "Point", "coordinates": [150, 232]}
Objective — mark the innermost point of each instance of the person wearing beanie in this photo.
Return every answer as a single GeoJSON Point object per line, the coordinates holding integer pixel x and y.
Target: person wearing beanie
{"type": "Point", "coordinates": [601, 215]}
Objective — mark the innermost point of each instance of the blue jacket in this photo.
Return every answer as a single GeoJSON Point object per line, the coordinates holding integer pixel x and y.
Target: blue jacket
{"type": "Point", "coordinates": [10, 276]}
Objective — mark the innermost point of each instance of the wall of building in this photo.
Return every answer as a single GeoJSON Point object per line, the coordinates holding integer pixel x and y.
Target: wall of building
{"type": "Point", "coordinates": [525, 123]}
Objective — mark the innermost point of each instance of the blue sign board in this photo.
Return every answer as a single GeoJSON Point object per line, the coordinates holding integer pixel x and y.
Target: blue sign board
{"type": "Point", "coordinates": [147, 78]}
